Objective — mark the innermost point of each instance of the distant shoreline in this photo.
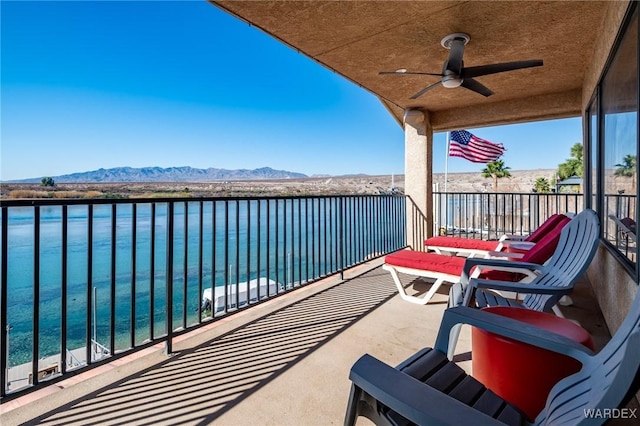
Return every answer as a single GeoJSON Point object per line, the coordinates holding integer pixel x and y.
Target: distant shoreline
{"type": "Point", "coordinates": [521, 181]}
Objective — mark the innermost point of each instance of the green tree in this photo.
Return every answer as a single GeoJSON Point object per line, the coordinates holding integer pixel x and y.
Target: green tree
{"type": "Point", "coordinates": [573, 165]}
{"type": "Point", "coordinates": [542, 186]}
{"type": "Point", "coordinates": [47, 181]}
{"type": "Point", "coordinates": [628, 169]}
{"type": "Point", "coordinates": [496, 170]}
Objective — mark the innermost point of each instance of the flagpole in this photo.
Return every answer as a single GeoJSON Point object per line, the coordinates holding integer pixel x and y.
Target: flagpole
{"type": "Point", "coordinates": [446, 161]}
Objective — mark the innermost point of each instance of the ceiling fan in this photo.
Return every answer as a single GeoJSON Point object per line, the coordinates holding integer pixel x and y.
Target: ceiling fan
{"type": "Point", "coordinates": [455, 74]}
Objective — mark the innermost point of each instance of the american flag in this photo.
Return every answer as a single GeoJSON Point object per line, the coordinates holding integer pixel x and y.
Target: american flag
{"type": "Point", "coordinates": [464, 144]}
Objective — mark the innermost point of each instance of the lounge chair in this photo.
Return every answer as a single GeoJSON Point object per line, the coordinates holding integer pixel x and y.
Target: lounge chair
{"type": "Point", "coordinates": [444, 268]}
{"type": "Point", "coordinates": [429, 389]}
{"type": "Point", "coordinates": [626, 227]}
{"type": "Point", "coordinates": [470, 247]}
{"type": "Point", "coordinates": [556, 278]}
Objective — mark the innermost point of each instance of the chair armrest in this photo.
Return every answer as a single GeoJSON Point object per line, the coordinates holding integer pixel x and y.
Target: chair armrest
{"type": "Point", "coordinates": [411, 398]}
{"type": "Point", "coordinates": [471, 262]}
{"type": "Point", "coordinates": [512, 237]}
{"type": "Point", "coordinates": [505, 255]}
{"type": "Point", "coordinates": [518, 287]}
{"type": "Point", "coordinates": [519, 245]}
{"type": "Point", "coordinates": [511, 328]}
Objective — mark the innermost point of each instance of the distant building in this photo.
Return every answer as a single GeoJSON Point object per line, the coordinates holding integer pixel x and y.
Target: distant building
{"type": "Point", "coordinates": [572, 184]}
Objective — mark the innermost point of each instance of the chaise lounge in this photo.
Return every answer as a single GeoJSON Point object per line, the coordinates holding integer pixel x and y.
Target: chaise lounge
{"type": "Point", "coordinates": [469, 247]}
{"type": "Point", "coordinates": [444, 268]}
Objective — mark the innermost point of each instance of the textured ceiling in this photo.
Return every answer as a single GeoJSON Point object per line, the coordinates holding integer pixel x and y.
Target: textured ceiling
{"type": "Point", "coordinates": [358, 39]}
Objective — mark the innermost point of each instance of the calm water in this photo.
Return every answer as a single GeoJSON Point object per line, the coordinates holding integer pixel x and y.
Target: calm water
{"type": "Point", "coordinates": [233, 231]}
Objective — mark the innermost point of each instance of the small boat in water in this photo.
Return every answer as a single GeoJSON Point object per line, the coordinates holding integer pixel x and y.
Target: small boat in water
{"type": "Point", "coordinates": [256, 289]}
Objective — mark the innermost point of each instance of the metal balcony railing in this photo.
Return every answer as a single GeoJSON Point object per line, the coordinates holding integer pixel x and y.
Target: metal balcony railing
{"type": "Point", "coordinates": [490, 215]}
{"type": "Point", "coordinates": [86, 281]}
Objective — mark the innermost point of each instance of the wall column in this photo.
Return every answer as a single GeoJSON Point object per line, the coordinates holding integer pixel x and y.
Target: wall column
{"type": "Point", "coordinates": [418, 176]}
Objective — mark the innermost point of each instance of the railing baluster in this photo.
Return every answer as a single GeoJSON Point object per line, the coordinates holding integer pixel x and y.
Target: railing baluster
{"type": "Point", "coordinates": [169, 279]}
{"type": "Point", "coordinates": [307, 239]}
{"type": "Point", "coordinates": [324, 232]}
{"type": "Point", "coordinates": [200, 256]}
{"type": "Point", "coordinates": [277, 220]}
{"type": "Point", "coordinates": [63, 295]}
{"type": "Point", "coordinates": [248, 261]}
{"type": "Point", "coordinates": [134, 242]}
{"type": "Point", "coordinates": [237, 271]}
{"type": "Point", "coordinates": [313, 237]}
{"type": "Point", "coordinates": [112, 289]}
{"type": "Point", "coordinates": [36, 295]}
{"type": "Point", "coordinates": [258, 244]}
{"type": "Point", "coordinates": [4, 326]}
{"type": "Point", "coordinates": [89, 288]}
{"type": "Point", "coordinates": [185, 264]}
{"type": "Point", "coordinates": [227, 302]}
{"type": "Point", "coordinates": [152, 272]}
{"type": "Point", "coordinates": [214, 271]}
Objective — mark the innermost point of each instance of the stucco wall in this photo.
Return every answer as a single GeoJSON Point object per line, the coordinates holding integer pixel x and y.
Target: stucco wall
{"type": "Point", "coordinates": [612, 285]}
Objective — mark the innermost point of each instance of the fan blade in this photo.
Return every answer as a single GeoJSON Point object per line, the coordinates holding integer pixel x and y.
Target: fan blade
{"type": "Point", "coordinates": [496, 68]}
{"type": "Point", "coordinates": [454, 63]}
{"type": "Point", "coordinates": [425, 90]}
{"type": "Point", "coordinates": [477, 87]}
{"type": "Point", "coordinates": [408, 73]}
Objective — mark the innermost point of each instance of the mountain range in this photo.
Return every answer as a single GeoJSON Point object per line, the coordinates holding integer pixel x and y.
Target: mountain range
{"type": "Point", "coordinates": [169, 174]}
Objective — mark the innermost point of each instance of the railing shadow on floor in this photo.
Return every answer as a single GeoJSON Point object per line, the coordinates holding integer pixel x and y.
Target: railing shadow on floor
{"type": "Point", "coordinates": [200, 384]}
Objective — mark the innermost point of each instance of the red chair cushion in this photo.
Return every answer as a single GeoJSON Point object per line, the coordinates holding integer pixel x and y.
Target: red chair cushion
{"type": "Point", "coordinates": [546, 246]}
{"type": "Point", "coordinates": [426, 261]}
{"type": "Point", "coordinates": [546, 226]}
{"type": "Point", "coordinates": [463, 243]}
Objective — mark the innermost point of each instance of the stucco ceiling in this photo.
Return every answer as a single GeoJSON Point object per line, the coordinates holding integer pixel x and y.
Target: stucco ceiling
{"type": "Point", "coordinates": [358, 39]}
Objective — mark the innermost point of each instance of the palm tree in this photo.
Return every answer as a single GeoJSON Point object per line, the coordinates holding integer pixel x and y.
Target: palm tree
{"type": "Point", "coordinates": [628, 169]}
{"type": "Point", "coordinates": [573, 165]}
{"type": "Point", "coordinates": [542, 186]}
{"type": "Point", "coordinates": [496, 170]}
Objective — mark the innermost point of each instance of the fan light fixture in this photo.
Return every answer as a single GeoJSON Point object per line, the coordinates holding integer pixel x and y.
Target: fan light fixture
{"type": "Point", "coordinates": [455, 74]}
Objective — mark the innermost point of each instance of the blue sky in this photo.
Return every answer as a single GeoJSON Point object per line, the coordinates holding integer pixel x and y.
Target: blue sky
{"type": "Point", "coordinates": [88, 85]}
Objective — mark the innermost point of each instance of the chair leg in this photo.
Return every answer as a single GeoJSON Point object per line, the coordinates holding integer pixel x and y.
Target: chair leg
{"type": "Point", "coordinates": [454, 334]}
{"type": "Point", "coordinates": [413, 299]}
{"type": "Point", "coordinates": [352, 406]}
{"type": "Point", "coordinates": [565, 300]}
{"type": "Point", "coordinates": [556, 310]}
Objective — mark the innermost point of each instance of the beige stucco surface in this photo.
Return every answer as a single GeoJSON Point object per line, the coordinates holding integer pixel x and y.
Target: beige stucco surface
{"type": "Point", "coordinates": [418, 167]}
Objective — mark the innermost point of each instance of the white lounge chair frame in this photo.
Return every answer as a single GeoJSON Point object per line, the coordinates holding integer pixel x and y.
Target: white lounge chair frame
{"type": "Point", "coordinates": [441, 278]}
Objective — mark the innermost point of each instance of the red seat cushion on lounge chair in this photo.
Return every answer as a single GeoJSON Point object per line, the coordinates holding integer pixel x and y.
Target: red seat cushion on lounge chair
{"type": "Point", "coordinates": [463, 243]}
{"type": "Point", "coordinates": [428, 261]}
{"type": "Point", "coordinates": [546, 226]}
{"type": "Point", "coordinates": [443, 264]}
{"type": "Point", "coordinates": [453, 265]}
{"type": "Point", "coordinates": [545, 248]}
{"type": "Point", "coordinates": [539, 253]}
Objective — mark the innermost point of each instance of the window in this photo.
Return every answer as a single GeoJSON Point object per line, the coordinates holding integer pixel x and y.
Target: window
{"type": "Point", "coordinates": [591, 155]}
{"type": "Point", "coordinates": [619, 113]}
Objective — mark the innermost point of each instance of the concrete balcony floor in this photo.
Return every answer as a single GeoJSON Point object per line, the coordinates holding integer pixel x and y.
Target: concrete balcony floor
{"type": "Point", "coordinates": [284, 362]}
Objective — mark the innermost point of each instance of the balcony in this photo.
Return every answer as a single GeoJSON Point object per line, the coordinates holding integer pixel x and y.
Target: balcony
{"type": "Point", "coordinates": [275, 351]}
{"type": "Point", "coordinates": [284, 362]}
